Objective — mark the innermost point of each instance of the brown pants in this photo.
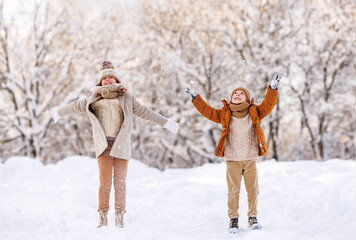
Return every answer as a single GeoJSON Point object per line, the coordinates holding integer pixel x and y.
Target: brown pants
{"type": "Point", "coordinates": [106, 166]}
{"type": "Point", "coordinates": [234, 173]}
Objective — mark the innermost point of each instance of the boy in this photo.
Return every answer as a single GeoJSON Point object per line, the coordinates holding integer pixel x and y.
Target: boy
{"type": "Point", "coordinates": [241, 142]}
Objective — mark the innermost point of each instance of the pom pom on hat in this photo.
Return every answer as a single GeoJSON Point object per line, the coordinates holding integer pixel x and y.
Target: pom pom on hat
{"type": "Point", "coordinates": [107, 65]}
{"type": "Point", "coordinates": [107, 69]}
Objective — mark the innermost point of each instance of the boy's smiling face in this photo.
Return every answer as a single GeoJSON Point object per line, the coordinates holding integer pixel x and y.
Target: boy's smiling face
{"type": "Point", "coordinates": [238, 97]}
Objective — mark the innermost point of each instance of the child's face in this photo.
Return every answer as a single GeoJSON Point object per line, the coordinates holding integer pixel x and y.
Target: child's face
{"type": "Point", "coordinates": [108, 80]}
{"type": "Point", "coordinates": [238, 97]}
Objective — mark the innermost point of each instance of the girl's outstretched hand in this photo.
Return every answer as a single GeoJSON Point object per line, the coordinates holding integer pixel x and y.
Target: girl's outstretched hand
{"type": "Point", "coordinates": [55, 115]}
{"type": "Point", "coordinates": [172, 125]}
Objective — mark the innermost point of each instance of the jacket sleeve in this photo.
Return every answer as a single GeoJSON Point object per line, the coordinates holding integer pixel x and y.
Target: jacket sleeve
{"type": "Point", "coordinates": [206, 110]}
{"type": "Point", "coordinates": [146, 113]}
{"type": "Point", "coordinates": [78, 106]}
{"type": "Point", "coordinates": [268, 103]}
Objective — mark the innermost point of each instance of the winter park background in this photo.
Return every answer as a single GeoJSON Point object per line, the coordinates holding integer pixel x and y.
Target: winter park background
{"type": "Point", "coordinates": [50, 52]}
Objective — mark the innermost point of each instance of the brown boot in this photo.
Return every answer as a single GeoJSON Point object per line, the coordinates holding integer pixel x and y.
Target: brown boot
{"type": "Point", "coordinates": [253, 223]}
{"type": "Point", "coordinates": [234, 225]}
{"type": "Point", "coordinates": [103, 219]}
{"type": "Point", "coordinates": [119, 218]}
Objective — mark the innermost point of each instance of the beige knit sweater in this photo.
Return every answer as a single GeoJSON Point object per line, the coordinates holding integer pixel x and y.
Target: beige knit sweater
{"type": "Point", "coordinates": [241, 142]}
{"type": "Point", "coordinates": [110, 115]}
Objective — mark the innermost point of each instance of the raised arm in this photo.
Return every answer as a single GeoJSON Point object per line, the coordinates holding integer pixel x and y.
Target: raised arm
{"type": "Point", "coordinates": [146, 113]}
{"type": "Point", "coordinates": [270, 99]}
{"type": "Point", "coordinates": [78, 106]}
{"type": "Point", "coordinates": [206, 110]}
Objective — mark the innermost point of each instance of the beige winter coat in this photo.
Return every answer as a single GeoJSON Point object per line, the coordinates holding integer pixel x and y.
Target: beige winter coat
{"type": "Point", "coordinates": [130, 106]}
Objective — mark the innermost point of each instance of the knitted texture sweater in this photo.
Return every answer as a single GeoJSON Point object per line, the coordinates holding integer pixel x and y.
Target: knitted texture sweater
{"type": "Point", "coordinates": [241, 142]}
{"type": "Point", "coordinates": [110, 115]}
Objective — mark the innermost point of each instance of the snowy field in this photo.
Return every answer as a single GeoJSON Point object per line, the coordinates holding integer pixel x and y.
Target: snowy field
{"type": "Point", "coordinates": [298, 200]}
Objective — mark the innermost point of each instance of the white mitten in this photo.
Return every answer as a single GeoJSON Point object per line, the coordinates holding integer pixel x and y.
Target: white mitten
{"type": "Point", "coordinates": [275, 81]}
{"type": "Point", "coordinates": [191, 92]}
{"type": "Point", "coordinates": [171, 125]}
{"type": "Point", "coordinates": [55, 114]}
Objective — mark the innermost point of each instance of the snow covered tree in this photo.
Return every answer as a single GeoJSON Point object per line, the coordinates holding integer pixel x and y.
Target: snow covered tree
{"type": "Point", "coordinates": [257, 34]}
{"type": "Point", "coordinates": [36, 68]}
{"type": "Point", "coordinates": [182, 48]}
{"type": "Point", "coordinates": [161, 46]}
{"type": "Point", "coordinates": [326, 59]}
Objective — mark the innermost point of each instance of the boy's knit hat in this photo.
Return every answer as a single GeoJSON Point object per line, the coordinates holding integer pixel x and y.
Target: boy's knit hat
{"type": "Point", "coordinates": [108, 69]}
{"type": "Point", "coordinates": [247, 93]}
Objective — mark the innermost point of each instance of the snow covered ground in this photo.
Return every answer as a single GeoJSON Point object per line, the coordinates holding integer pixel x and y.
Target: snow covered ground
{"type": "Point", "coordinates": [298, 200]}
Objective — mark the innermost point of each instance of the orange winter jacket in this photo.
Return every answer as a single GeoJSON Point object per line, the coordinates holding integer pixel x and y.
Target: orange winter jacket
{"type": "Point", "coordinates": [223, 116]}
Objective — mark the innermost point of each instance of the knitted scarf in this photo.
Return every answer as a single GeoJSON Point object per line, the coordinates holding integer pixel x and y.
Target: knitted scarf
{"type": "Point", "coordinates": [239, 110]}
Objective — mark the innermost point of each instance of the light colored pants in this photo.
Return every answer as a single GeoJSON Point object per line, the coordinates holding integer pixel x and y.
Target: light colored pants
{"type": "Point", "coordinates": [234, 173]}
{"type": "Point", "coordinates": [106, 166]}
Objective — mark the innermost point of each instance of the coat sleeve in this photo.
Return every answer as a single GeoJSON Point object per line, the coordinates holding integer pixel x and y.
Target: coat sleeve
{"type": "Point", "coordinates": [146, 113]}
{"type": "Point", "coordinates": [268, 103]}
{"type": "Point", "coordinates": [78, 106]}
{"type": "Point", "coordinates": [206, 110]}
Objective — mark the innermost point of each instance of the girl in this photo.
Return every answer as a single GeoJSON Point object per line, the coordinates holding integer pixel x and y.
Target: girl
{"type": "Point", "coordinates": [111, 120]}
{"type": "Point", "coordinates": [241, 142]}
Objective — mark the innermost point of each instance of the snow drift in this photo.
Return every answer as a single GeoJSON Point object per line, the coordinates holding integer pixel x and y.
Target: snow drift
{"type": "Point", "coordinates": [298, 200]}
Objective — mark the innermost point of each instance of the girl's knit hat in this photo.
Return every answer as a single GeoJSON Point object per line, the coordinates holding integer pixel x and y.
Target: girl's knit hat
{"type": "Point", "coordinates": [247, 93]}
{"type": "Point", "coordinates": [107, 69]}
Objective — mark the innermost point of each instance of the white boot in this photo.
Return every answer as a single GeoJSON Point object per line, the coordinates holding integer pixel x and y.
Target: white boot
{"type": "Point", "coordinates": [119, 218]}
{"type": "Point", "coordinates": [103, 219]}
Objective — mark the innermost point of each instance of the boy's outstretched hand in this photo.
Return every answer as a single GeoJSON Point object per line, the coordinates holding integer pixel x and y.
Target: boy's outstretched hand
{"type": "Point", "coordinates": [275, 82]}
{"type": "Point", "coordinates": [191, 92]}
